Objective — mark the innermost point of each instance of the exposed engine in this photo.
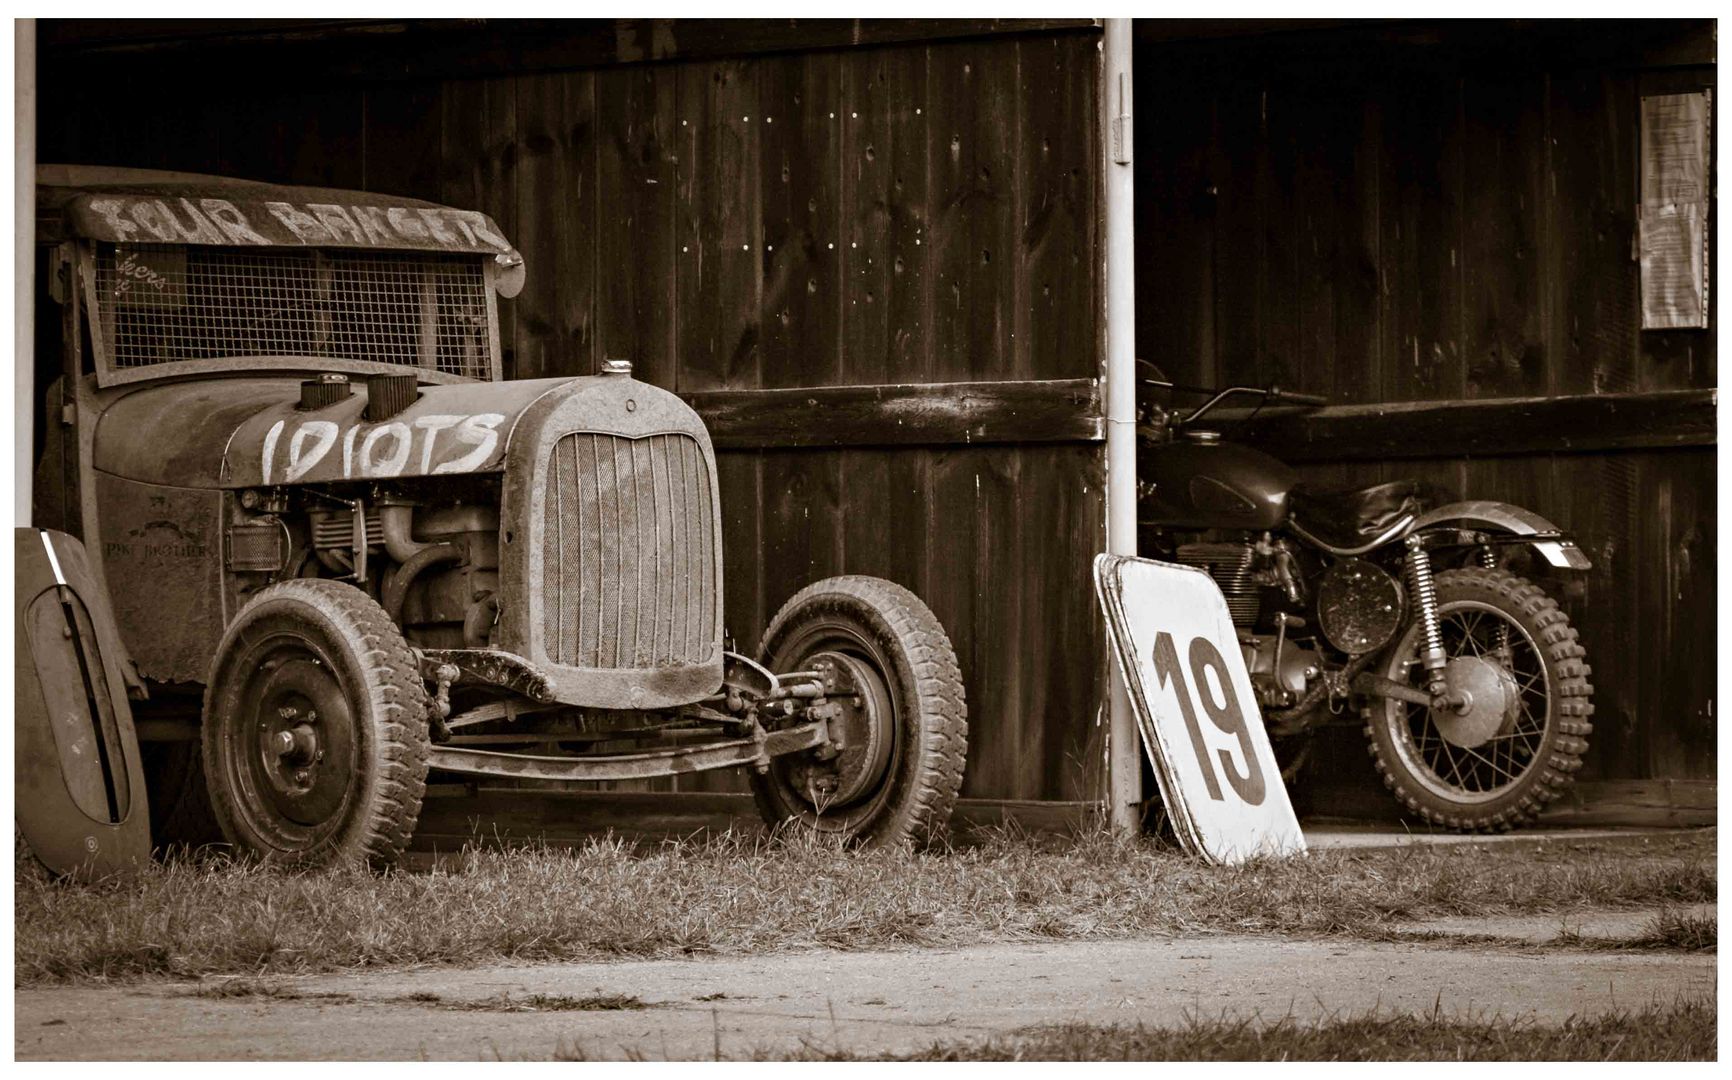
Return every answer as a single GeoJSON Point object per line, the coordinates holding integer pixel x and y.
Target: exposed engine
{"type": "Point", "coordinates": [1286, 616]}
{"type": "Point", "coordinates": [1262, 584]}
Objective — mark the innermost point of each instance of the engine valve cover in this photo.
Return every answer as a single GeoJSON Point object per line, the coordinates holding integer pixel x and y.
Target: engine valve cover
{"type": "Point", "coordinates": [1359, 606]}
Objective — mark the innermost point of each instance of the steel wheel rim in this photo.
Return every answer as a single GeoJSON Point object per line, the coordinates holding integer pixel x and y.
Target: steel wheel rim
{"type": "Point", "coordinates": [284, 671]}
{"type": "Point", "coordinates": [831, 636]}
{"type": "Point", "coordinates": [1473, 775]}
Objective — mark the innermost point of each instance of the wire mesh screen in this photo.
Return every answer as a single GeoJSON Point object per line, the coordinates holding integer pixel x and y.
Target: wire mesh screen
{"type": "Point", "coordinates": [160, 304]}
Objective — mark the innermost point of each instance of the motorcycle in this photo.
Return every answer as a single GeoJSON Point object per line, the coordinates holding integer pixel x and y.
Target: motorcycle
{"type": "Point", "coordinates": [1388, 600]}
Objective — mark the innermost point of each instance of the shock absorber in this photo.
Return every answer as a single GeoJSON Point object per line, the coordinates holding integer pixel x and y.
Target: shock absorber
{"type": "Point", "coordinates": [1488, 560]}
{"type": "Point", "coordinates": [1425, 602]}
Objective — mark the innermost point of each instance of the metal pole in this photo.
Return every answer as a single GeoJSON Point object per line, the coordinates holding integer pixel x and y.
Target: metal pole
{"type": "Point", "coordinates": [1124, 760]}
{"type": "Point", "coordinates": [24, 268]}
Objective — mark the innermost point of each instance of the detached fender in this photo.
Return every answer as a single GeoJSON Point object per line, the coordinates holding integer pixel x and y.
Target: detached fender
{"type": "Point", "coordinates": [1554, 547]}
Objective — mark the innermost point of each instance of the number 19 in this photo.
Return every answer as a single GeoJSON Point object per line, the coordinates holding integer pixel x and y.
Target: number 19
{"type": "Point", "coordinates": [1225, 715]}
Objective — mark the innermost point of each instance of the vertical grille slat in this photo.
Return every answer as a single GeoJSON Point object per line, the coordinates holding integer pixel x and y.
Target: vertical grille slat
{"type": "Point", "coordinates": [629, 556]}
{"type": "Point", "coordinates": [709, 595]}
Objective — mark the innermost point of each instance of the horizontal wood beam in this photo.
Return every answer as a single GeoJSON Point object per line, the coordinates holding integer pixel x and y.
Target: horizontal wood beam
{"type": "Point", "coordinates": [910, 414]}
{"type": "Point", "coordinates": [1679, 803]}
{"type": "Point", "coordinates": [389, 50]}
{"type": "Point", "coordinates": [1486, 428]}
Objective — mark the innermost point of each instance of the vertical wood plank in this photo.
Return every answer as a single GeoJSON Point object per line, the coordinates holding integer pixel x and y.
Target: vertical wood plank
{"type": "Point", "coordinates": [556, 179]}
{"type": "Point", "coordinates": [1008, 757]}
{"type": "Point", "coordinates": [1503, 211]}
{"type": "Point", "coordinates": [1593, 284]}
{"type": "Point", "coordinates": [1328, 125]}
{"type": "Point", "coordinates": [719, 229]}
{"type": "Point", "coordinates": [637, 258]}
{"type": "Point", "coordinates": [1676, 545]}
{"type": "Point", "coordinates": [800, 134]}
{"type": "Point", "coordinates": [908, 205]}
{"type": "Point", "coordinates": [869, 117]}
{"type": "Point", "coordinates": [401, 140]}
{"type": "Point", "coordinates": [951, 591]}
{"type": "Point", "coordinates": [1067, 645]}
{"type": "Point", "coordinates": [1280, 231]}
{"type": "Point", "coordinates": [1175, 221]}
{"type": "Point", "coordinates": [478, 151]}
{"type": "Point", "coordinates": [972, 100]}
{"type": "Point", "coordinates": [1239, 232]}
{"type": "Point", "coordinates": [1057, 315]}
{"type": "Point", "coordinates": [1422, 229]}
{"type": "Point", "coordinates": [1360, 304]}
{"type": "Point", "coordinates": [1597, 498]}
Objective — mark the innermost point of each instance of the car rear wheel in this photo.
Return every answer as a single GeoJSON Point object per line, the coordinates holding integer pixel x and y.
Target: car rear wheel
{"type": "Point", "coordinates": [903, 714]}
{"type": "Point", "coordinates": [315, 729]}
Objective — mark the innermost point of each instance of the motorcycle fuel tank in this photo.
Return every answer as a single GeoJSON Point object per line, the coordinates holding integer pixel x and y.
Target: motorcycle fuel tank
{"type": "Point", "coordinates": [1199, 482]}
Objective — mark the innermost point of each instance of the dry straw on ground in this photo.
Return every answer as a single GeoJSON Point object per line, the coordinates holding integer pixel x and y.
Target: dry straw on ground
{"type": "Point", "coordinates": [736, 894]}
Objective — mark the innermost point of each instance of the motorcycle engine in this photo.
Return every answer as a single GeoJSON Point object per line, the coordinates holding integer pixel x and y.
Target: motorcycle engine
{"type": "Point", "coordinates": [1233, 566]}
{"type": "Point", "coordinates": [1280, 667]}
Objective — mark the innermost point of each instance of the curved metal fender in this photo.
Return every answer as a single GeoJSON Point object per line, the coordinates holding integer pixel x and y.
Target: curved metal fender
{"type": "Point", "coordinates": [1555, 549]}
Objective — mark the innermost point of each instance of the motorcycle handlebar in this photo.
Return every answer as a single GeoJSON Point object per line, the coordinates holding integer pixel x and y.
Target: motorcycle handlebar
{"type": "Point", "coordinates": [1297, 399]}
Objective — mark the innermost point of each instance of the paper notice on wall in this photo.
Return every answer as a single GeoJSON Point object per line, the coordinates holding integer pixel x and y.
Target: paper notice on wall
{"type": "Point", "coordinates": [1673, 233]}
{"type": "Point", "coordinates": [1674, 278]}
{"type": "Point", "coordinates": [1675, 149]}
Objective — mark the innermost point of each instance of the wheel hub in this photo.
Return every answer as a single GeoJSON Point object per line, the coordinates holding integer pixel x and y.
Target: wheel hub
{"type": "Point", "coordinates": [305, 742]}
{"type": "Point", "coordinates": [864, 726]}
{"type": "Point", "coordinates": [1489, 701]}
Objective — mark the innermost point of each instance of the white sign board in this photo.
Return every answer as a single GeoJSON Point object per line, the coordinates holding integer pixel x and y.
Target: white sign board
{"type": "Point", "coordinates": [1182, 664]}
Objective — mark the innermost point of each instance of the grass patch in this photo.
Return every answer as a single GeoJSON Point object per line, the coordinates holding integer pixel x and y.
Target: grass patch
{"type": "Point", "coordinates": [1682, 1032]}
{"type": "Point", "coordinates": [1678, 930]}
{"type": "Point", "coordinates": [254, 989]}
{"type": "Point", "coordinates": [739, 893]}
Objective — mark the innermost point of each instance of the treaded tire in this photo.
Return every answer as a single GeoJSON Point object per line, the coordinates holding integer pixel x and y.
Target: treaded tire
{"type": "Point", "coordinates": [1562, 742]}
{"type": "Point", "coordinates": [883, 624]}
{"type": "Point", "coordinates": [357, 668]}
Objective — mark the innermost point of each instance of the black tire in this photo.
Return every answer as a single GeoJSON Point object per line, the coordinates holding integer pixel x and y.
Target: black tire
{"type": "Point", "coordinates": [1534, 754]}
{"type": "Point", "coordinates": [350, 787]}
{"type": "Point", "coordinates": [908, 770]}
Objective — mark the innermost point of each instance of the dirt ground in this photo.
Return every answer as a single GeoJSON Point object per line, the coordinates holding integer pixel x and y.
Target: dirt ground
{"type": "Point", "coordinates": [871, 1003]}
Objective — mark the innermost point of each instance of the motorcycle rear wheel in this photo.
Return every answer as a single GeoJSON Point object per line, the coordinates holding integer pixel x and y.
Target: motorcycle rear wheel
{"type": "Point", "coordinates": [1501, 780]}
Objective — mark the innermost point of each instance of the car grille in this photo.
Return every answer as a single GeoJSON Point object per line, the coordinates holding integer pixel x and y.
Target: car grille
{"type": "Point", "coordinates": [629, 555]}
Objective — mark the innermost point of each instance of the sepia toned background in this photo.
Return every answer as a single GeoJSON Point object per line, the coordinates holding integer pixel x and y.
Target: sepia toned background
{"type": "Point", "coordinates": [1381, 212]}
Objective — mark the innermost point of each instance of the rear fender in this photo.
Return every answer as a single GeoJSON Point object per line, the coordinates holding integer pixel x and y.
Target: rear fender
{"type": "Point", "coordinates": [1551, 543]}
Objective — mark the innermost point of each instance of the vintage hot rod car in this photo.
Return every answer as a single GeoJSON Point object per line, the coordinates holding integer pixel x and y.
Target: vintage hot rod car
{"type": "Point", "coordinates": [344, 552]}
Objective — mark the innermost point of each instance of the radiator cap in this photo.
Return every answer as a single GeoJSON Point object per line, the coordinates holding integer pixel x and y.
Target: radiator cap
{"type": "Point", "coordinates": [616, 367]}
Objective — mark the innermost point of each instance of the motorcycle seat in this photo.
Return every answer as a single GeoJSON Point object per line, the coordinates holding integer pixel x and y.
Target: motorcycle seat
{"type": "Point", "coordinates": [1350, 518]}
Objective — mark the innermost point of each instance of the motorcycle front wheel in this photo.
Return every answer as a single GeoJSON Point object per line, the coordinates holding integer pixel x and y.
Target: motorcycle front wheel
{"type": "Point", "coordinates": [1517, 741]}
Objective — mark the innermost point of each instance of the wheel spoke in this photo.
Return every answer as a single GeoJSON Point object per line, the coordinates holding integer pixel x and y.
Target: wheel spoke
{"type": "Point", "coordinates": [1494, 767]}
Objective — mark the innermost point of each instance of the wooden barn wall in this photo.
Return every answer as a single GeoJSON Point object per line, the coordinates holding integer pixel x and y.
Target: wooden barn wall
{"type": "Point", "coordinates": [1379, 221]}
{"type": "Point", "coordinates": [922, 212]}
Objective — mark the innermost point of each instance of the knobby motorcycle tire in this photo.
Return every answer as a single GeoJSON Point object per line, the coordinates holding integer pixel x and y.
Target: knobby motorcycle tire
{"type": "Point", "coordinates": [1568, 709]}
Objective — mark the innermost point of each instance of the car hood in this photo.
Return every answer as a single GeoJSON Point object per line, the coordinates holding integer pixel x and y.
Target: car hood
{"type": "Point", "coordinates": [248, 432]}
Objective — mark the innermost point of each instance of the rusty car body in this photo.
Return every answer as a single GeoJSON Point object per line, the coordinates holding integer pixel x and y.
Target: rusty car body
{"type": "Point", "coordinates": [344, 552]}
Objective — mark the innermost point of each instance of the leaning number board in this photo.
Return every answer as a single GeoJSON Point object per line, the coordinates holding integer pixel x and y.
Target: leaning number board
{"type": "Point", "coordinates": [1183, 667]}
